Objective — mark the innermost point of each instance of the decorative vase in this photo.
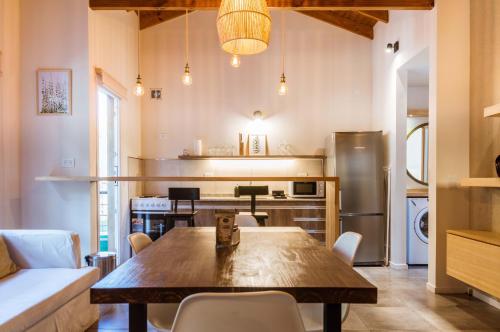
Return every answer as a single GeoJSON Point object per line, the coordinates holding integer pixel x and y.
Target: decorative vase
{"type": "Point", "coordinates": [497, 165]}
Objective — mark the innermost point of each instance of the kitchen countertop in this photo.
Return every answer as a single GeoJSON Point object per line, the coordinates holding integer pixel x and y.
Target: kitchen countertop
{"type": "Point", "coordinates": [258, 198]}
{"type": "Point", "coordinates": [417, 192]}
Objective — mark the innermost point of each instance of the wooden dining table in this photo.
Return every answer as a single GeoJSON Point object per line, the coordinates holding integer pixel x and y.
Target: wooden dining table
{"type": "Point", "coordinates": [185, 261]}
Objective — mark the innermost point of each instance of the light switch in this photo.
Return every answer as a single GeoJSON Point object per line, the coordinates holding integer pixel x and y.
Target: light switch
{"type": "Point", "coordinates": [163, 136]}
{"type": "Point", "coordinates": [68, 163]}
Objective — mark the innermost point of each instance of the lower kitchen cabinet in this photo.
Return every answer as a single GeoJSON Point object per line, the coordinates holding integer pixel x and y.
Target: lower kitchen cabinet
{"type": "Point", "coordinates": [304, 213]}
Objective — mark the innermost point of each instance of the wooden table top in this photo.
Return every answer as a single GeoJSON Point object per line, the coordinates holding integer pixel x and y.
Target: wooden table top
{"type": "Point", "coordinates": [185, 261]}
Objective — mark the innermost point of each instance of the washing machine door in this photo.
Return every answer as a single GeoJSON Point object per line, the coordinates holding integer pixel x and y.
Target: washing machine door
{"type": "Point", "coordinates": [421, 225]}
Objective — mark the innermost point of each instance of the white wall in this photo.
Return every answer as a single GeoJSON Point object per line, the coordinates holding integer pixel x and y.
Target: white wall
{"type": "Point", "coordinates": [113, 48]}
{"type": "Point", "coordinates": [65, 34]}
{"type": "Point", "coordinates": [9, 114]}
{"type": "Point", "coordinates": [54, 33]}
{"type": "Point", "coordinates": [418, 97]}
{"type": "Point", "coordinates": [412, 29]}
{"type": "Point", "coordinates": [328, 72]}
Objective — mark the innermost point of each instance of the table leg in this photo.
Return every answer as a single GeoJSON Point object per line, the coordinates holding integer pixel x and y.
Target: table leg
{"type": "Point", "coordinates": [332, 317]}
{"type": "Point", "coordinates": [137, 317]}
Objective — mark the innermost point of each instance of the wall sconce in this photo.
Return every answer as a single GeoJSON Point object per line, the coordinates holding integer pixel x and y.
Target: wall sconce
{"type": "Point", "coordinates": [257, 125]}
{"type": "Point", "coordinates": [257, 115]}
{"type": "Point", "coordinates": [392, 48]}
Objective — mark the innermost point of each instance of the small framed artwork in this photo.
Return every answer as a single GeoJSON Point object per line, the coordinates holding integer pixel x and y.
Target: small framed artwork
{"type": "Point", "coordinates": [54, 91]}
{"type": "Point", "coordinates": [257, 145]}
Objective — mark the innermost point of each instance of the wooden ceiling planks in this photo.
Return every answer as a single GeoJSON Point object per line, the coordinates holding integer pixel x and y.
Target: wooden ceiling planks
{"type": "Point", "coordinates": [357, 16]}
{"type": "Point", "coordinates": [349, 20]}
{"type": "Point", "coordinates": [153, 17]}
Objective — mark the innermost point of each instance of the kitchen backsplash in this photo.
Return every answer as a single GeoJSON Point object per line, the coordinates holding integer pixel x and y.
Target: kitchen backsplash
{"type": "Point", "coordinates": [246, 168]}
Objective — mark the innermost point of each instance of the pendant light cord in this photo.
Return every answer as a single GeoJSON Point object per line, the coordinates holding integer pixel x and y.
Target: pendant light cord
{"type": "Point", "coordinates": [139, 45]}
{"type": "Point", "coordinates": [283, 41]}
{"type": "Point", "coordinates": [187, 37]}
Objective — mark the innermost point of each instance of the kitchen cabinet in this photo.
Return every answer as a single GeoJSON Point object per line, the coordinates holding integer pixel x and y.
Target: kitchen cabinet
{"type": "Point", "coordinates": [308, 214]}
{"type": "Point", "coordinates": [474, 258]}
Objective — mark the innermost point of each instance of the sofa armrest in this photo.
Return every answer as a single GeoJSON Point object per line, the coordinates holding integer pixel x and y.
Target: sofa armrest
{"type": "Point", "coordinates": [37, 249]}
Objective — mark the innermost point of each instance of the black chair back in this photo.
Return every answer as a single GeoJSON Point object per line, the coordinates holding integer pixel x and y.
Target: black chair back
{"type": "Point", "coordinates": [184, 194]}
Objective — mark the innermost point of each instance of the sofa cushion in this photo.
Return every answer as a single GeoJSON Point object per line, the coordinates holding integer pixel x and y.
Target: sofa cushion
{"type": "Point", "coordinates": [41, 249]}
{"type": "Point", "coordinates": [7, 266]}
{"type": "Point", "coordinates": [30, 295]}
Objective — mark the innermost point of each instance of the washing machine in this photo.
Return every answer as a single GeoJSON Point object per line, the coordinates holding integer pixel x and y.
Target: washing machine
{"type": "Point", "coordinates": [417, 231]}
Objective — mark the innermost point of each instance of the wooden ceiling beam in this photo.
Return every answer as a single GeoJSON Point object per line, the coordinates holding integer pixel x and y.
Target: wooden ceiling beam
{"type": "Point", "coordinates": [341, 20]}
{"type": "Point", "coordinates": [379, 15]}
{"type": "Point", "coordinates": [150, 18]}
{"type": "Point", "coordinates": [290, 4]}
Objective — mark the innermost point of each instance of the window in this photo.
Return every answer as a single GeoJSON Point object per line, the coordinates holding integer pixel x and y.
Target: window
{"type": "Point", "coordinates": [108, 128]}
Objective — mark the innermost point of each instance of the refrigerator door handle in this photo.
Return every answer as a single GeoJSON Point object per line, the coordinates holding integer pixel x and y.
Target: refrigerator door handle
{"type": "Point", "coordinates": [340, 199]}
{"type": "Point", "coordinates": [361, 214]}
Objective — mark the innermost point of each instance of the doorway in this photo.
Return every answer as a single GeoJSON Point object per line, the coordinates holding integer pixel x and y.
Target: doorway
{"type": "Point", "coordinates": [108, 164]}
{"type": "Point", "coordinates": [413, 116]}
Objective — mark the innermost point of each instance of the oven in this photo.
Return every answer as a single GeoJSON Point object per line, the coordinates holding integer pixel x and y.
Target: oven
{"type": "Point", "coordinates": [148, 215]}
{"type": "Point", "coordinates": [306, 189]}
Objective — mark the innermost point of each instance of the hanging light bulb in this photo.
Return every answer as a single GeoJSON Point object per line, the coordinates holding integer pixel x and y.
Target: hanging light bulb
{"type": "Point", "coordinates": [235, 61]}
{"type": "Point", "coordinates": [139, 89]}
{"type": "Point", "coordinates": [283, 89]}
{"type": "Point", "coordinates": [187, 80]}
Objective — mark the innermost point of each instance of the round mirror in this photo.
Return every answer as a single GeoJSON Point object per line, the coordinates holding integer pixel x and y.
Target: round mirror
{"type": "Point", "coordinates": [417, 153]}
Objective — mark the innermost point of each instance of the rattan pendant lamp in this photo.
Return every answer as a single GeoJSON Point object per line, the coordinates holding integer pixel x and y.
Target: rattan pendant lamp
{"type": "Point", "coordinates": [244, 26]}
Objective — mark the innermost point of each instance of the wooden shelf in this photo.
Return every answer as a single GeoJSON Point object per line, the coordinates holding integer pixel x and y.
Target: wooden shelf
{"type": "Point", "coordinates": [481, 182]}
{"type": "Point", "coordinates": [63, 178]}
{"type": "Point", "coordinates": [492, 111]}
{"type": "Point", "coordinates": [181, 178]}
{"type": "Point", "coordinates": [270, 157]}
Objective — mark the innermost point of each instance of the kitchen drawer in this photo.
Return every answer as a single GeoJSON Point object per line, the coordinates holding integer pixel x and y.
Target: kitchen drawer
{"type": "Point", "coordinates": [473, 257]}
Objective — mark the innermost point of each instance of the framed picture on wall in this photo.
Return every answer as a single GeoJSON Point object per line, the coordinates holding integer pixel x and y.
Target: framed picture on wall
{"type": "Point", "coordinates": [54, 91]}
{"type": "Point", "coordinates": [257, 145]}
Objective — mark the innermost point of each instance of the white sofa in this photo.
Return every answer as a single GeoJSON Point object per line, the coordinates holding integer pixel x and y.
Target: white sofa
{"type": "Point", "coordinates": [51, 290]}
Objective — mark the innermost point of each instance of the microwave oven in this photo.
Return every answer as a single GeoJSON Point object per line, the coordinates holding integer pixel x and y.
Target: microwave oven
{"type": "Point", "coordinates": [306, 189]}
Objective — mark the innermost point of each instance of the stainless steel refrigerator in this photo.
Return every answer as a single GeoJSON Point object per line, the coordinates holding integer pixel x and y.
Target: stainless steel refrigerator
{"type": "Point", "coordinates": [357, 159]}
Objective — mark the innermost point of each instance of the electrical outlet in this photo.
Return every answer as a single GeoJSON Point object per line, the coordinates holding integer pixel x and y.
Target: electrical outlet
{"type": "Point", "coordinates": [156, 94]}
{"type": "Point", "coordinates": [68, 163]}
{"type": "Point", "coordinates": [304, 174]}
{"type": "Point", "coordinates": [208, 174]}
{"type": "Point", "coordinates": [163, 136]}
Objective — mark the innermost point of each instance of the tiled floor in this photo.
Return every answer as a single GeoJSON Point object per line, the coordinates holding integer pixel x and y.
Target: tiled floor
{"type": "Point", "coordinates": [404, 304]}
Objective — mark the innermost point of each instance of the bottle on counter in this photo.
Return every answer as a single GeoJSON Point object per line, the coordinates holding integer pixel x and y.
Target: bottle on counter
{"type": "Point", "coordinates": [224, 230]}
{"type": "Point", "coordinates": [241, 145]}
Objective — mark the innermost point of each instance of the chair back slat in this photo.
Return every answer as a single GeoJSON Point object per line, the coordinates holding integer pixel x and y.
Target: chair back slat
{"type": "Point", "coordinates": [184, 194]}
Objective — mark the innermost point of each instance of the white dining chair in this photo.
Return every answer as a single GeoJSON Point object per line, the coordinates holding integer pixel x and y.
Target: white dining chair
{"type": "Point", "coordinates": [246, 221]}
{"type": "Point", "coordinates": [160, 315]}
{"type": "Point", "coordinates": [345, 248]}
{"type": "Point", "coordinates": [270, 311]}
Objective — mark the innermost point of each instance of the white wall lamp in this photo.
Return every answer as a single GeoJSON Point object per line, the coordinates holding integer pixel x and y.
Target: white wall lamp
{"type": "Point", "coordinates": [392, 47]}
{"type": "Point", "coordinates": [258, 115]}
